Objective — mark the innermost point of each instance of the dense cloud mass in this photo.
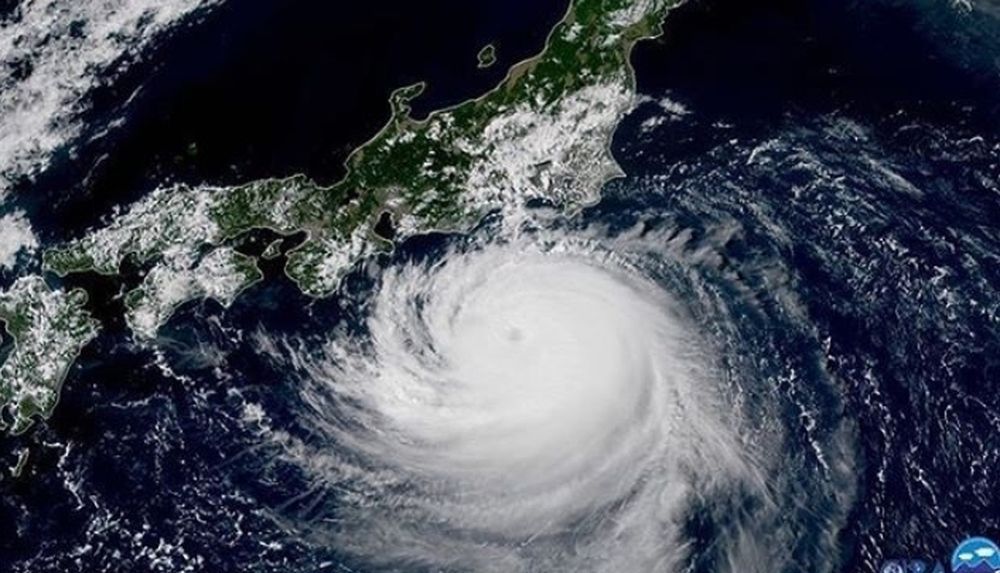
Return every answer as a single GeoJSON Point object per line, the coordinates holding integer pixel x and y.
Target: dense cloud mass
{"type": "Point", "coordinates": [533, 404]}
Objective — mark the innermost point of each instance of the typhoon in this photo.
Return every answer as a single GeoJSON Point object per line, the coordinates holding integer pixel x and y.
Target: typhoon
{"type": "Point", "coordinates": [542, 402]}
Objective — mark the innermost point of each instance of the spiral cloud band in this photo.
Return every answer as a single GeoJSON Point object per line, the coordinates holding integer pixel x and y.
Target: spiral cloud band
{"type": "Point", "coordinates": [513, 407]}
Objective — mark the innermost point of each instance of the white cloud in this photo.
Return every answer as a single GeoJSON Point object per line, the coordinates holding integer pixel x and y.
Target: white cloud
{"type": "Point", "coordinates": [62, 51]}
{"type": "Point", "coordinates": [15, 235]}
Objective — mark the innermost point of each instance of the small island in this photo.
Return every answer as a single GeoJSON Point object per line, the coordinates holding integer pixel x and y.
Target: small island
{"type": "Point", "coordinates": [487, 56]}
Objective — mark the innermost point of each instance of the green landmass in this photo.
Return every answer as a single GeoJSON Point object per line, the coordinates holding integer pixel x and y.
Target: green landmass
{"type": "Point", "coordinates": [49, 328]}
{"type": "Point", "coordinates": [542, 133]}
{"type": "Point", "coordinates": [441, 172]}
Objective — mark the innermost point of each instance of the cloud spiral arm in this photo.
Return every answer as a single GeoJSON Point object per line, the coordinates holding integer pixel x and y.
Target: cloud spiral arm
{"type": "Point", "coordinates": [514, 406]}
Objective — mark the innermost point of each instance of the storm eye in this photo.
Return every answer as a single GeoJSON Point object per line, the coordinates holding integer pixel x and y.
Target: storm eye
{"type": "Point", "coordinates": [986, 552]}
{"type": "Point", "coordinates": [965, 556]}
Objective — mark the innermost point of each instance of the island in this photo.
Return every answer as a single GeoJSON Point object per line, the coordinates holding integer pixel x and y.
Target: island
{"type": "Point", "coordinates": [486, 57]}
{"type": "Point", "coordinates": [49, 328]}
